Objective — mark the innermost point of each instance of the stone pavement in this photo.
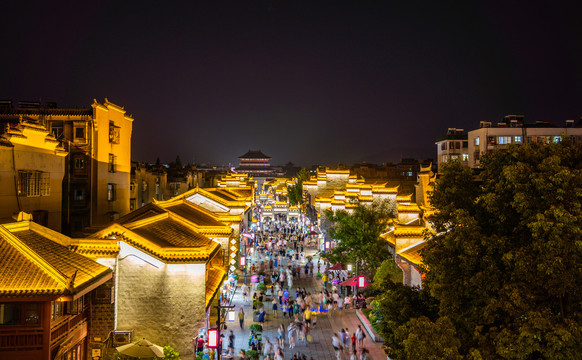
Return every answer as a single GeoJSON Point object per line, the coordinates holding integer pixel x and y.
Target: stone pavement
{"type": "Point", "coordinates": [321, 347]}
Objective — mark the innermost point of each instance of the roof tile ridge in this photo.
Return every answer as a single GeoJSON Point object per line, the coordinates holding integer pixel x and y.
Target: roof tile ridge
{"type": "Point", "coordinates": [31, 255]}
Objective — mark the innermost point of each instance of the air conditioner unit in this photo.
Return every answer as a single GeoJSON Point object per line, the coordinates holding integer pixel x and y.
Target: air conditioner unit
{"type": "Point", "coordinates": [122, 337]}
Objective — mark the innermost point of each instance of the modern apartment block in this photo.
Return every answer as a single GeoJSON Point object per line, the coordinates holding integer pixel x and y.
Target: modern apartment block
{"type": "Point", "coordinates": [513, 129]}
{"type": "Point", "coordinates": [453, 146]}
{"type": "Point", "coordinates": [97, 168]}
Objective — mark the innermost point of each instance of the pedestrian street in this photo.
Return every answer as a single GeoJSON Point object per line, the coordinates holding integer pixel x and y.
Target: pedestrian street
{"type": "Point", "coordinates": [327, 324]}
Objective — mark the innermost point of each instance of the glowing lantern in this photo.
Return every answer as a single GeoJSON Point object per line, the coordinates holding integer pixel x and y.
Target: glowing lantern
{"type": "Point", "coordinates": [327, 243]}
{"type": "Point", "coordinates": [361, 282]}
{"type": "Point", "coordinates": [212, 338]}
{"type": "Point", "coordinates": [243, 261]}
{"type": "Point", "coordinates": [349, 267]}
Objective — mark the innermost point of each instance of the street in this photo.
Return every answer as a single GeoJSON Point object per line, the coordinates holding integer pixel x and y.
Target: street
{"type": "Point", "coordinates": [327, 324]}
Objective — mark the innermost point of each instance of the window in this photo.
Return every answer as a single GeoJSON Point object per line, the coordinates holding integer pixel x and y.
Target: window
{"type": "Point", "coordinates": [79, 162]}
{"type": "Point", "coordinates": [477, 153]}
{"type": "Point", "coordinates": [110, 192]}
{"type": "Point", "coordinates": [503, 140]}
{"type": "Point", "coordinates": [409, 173]}
{"type": "Point", "coordinates": [57, 131]}
{"type": "Point", "coordinates": [27, 314]}
{"type": "Point", "coordinates": [445, 158]}
{"type": "Point", "coordinates": [10, 314]}
{"type": "Point", "coordinates": [80, 133]}
{"type": "Point", "coordinates": [113, 133]}
{"type": "Point", "coordinates": [465, 144]}
{"type": "Point", "coordinates": [444, 146]}
{"type": "Point", "coordinates": [517, 139]}
{"type": "Point", "coordinates": [56, 310]}
{"type": "Point", "coordinates": [491, 140]}
{"type": "Point", "coordinates": [33, 183]}
{"type": "Point", "coordinates": [454, 157]}
{"type": "Point", "coordinates": [557, 139]}
{"type": "Point", "coordinates": [465, 157]}
{"type": "Point", "coordinates": [132, 204]}
{"type": "Point", "coordinates": [78, 195]}
{"type": "Point", "coordinates": [111, 165]}
{"type": "Point", "coordinates": [477, 141]}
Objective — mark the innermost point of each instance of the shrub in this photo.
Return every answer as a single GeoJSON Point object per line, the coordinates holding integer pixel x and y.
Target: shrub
{"type": "Point", "coordinates": [252, 355]}
{"type": "Point", "coordinates": [256, 328]}
{"type": "Point", "coordinates": [262, 287]}
{"type": "Point", "coordinates": [170, 353]}
{"type": "Point", "coordinates": [257, 304]}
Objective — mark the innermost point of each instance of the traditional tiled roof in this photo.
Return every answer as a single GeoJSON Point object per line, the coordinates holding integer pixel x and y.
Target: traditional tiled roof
{"type": "Point", "coordinates": [193, 213]}
{"type": "Point", "coordinates": [404, 198]}
{"type": "Point", "coordinates": [32, 263]}
{"type": "Point", "coordinates": [411, 230]}
{"type": "Point", "coordinates": [412, 208]}
{"type": "Point", "coordinates": [144, 212]}
{"type": "Point", "coordinates": [170, 233]}
{"type": "Point", "coordinates": [215, 278]}
{"type": "Point", "coordinates": [412, 253]}
{"type": "Point", "coordinates": [254, 154]}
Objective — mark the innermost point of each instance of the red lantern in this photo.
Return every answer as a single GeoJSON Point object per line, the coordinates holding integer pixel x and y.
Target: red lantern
{"type": "Point", "coordinates": [361, 282]}
{"type": "Point", "coordinates": [213, 338]}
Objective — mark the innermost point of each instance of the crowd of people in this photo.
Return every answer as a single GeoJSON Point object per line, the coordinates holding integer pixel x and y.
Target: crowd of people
{"type": "Point", "coordinates": [279, 255]}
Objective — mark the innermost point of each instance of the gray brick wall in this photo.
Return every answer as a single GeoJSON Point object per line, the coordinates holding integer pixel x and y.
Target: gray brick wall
{"type": "Point", "coordinates": [165, 305]}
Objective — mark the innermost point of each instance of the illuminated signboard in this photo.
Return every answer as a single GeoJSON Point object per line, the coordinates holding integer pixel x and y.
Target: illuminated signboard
{"type": "Point", "coordinates": [213, 338]}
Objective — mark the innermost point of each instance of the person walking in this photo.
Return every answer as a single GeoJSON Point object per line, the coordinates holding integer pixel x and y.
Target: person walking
{"type": "Point", "coordinates": [241, 317]}
{"type": "Point", "coordinates": [335, 342]}
{"type": "Point", "coordinates": [281, 336]}
{"type": "Point", "coordinates": [360, 335]}
{"type": "Point", "coordinates": [274, 306]}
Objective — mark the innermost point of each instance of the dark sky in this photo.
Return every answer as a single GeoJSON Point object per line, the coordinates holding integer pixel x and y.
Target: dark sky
{"type": "Point", "coordinates": [308, 82]}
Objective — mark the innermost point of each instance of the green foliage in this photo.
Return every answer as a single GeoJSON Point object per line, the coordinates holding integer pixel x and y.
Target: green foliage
{"type": "Point", "coordinates": [388, 270]}
{"type": "Point", "coordinates": [252, 355]}
{"type": "Point", "coordinates": [257, 304]}
{"type": "Point", "coordinates": [358, 235]}
{"type": "Point", "coordinates": [261, 287]}
{"type": "Point", "coordinates": [170, 353]}
{"type": "Point", "coordinates": [257, 328]}
{"type": "Point", "coordinates": [507, 272]}
{"type": "Point", "coordinates": [115, 356]}
{"type": "Point", "coordinates": [424, 339]}
{"type": "Point", "coordinates": [295, 192]}
{"type": "Point", "coordinates": [398, 304]}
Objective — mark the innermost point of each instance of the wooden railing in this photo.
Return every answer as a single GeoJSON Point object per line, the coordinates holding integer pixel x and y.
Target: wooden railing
{"type": "Point", "coordinates": [31, 339]}
{"type": "Point", "coordinates": [63, 326]}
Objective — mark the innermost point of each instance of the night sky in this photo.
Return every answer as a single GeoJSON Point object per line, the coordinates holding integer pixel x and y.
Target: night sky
{"type": "Point", "coordinates": [308, 82]}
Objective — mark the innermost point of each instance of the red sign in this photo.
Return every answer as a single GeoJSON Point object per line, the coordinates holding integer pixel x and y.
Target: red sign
{"type": "Point", "coordinates": [212, 338]}
{"type": "Point", "coordinates": [361, 282]}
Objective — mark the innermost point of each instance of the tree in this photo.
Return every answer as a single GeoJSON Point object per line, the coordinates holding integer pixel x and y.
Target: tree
{"type": "Point", "coordinates": [295, 192]}
{"type": "Point", "coordinates": [506, 268]}
{"type": "Point", "coordinates": [358, 235]}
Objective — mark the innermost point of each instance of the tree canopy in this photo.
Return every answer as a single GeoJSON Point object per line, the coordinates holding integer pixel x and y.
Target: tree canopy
{"type": "Point", "coordinates": [505, 267]}
{"type": "Point", "coordinates": [358, 235]}
{"type": "Point", "coordinates": [295, 192]}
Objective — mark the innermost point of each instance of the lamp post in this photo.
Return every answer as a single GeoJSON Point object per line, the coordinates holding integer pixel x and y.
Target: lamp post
{"type": "Point", "coordinates": [218, 342]}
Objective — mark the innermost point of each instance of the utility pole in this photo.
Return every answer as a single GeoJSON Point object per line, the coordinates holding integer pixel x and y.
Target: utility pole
{"type": "Point", "coordinates": [356, 291]}
{"type": "Point", "coordinates": [219, 307]}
